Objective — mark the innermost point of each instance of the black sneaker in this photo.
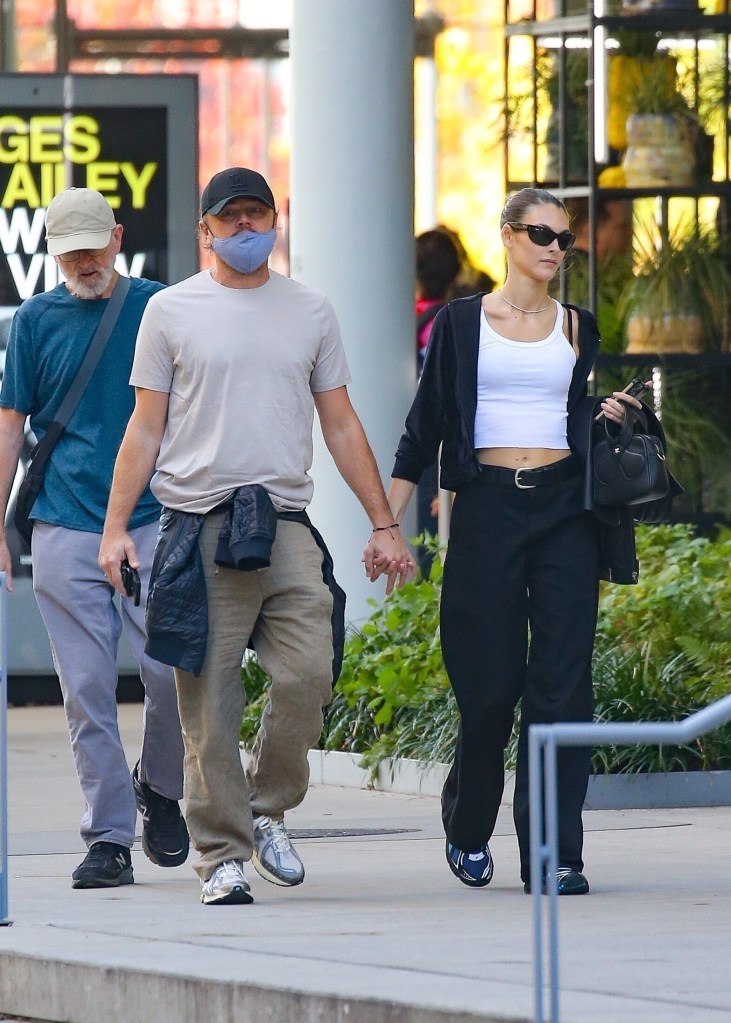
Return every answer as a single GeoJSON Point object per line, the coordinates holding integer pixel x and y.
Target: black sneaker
{"type": "Point", "coordinates": [164, 834]}
{"type": "Point", "coordinates": [472, 868]}
{"type": "Point", "coordinates": [106, 865]}
{"type": "Point", "coordinates": [570, 882]}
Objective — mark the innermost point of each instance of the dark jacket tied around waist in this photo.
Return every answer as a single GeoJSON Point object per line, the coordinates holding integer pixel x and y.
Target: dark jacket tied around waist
{"type": "Point", "coordinates": [177, 606]}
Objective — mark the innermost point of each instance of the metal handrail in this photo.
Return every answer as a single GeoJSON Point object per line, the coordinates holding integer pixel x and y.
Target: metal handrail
{"type": "Point", "coordinates": [543, 741]}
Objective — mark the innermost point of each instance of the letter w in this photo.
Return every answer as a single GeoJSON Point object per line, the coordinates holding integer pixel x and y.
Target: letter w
{"type": "Point", "coordinates": [19, 228]}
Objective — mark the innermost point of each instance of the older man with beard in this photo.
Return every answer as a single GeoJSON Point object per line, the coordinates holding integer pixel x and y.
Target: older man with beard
{"type": "Point", "coordinates": [49, 338]}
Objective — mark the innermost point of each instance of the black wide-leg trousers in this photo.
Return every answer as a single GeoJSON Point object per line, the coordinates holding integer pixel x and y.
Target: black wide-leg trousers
{"type": "Point", "coordinates": [518, 618]}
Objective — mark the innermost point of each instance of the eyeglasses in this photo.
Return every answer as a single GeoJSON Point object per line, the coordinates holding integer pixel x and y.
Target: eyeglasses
{"type": "Point", "coordinates": [75, 255]}
{"type": "Point", "coordinates": [544, 235]}
{"type": "Point", "coordinates": [252, 211]}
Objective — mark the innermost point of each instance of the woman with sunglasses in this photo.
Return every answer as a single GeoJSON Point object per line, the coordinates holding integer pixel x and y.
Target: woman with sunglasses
{"type": "Point", "coordinates": [503, 374]}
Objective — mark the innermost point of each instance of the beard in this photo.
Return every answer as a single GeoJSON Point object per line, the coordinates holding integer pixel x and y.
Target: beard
{"type": "Point", "coordinates": [83, 287]}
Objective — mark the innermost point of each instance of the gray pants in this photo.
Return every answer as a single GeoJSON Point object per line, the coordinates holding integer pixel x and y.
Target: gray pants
{"type": "Point", "coordinates": [287, 610]}
{"type": "Point", "coordinates": [84, 626]}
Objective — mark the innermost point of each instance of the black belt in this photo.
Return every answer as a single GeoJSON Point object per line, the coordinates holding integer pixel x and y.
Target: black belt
{"type": "Point", "coordinates": [527, 479]}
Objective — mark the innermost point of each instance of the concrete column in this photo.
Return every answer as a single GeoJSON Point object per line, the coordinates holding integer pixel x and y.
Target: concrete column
{"type": "Point", "coordinates": [352, 232]}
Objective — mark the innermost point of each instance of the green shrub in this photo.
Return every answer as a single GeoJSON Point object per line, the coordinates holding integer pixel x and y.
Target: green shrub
{"type": "Point", "coordinates": [630, 686]}
{"type": "Point", "coordinates": [663, 651]}
{"type": "Point", "coordinates": [663, 648]}
{"type": "Point", "coordinates": [681, 605]}
{"type": "Point", "coordinates": [392, 674]}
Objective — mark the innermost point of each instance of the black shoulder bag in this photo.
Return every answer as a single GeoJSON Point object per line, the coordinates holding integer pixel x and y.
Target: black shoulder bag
{"type": "Point", "coordinates": [629, 466]}
{"type": "Point", "coordinates": [33, 479]}
{"type": "Point", "coordinates": [629, 463]}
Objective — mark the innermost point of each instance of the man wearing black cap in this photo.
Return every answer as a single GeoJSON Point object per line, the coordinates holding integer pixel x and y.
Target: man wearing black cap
{"type": "Point", "coordinates": [49, 337]}
{"type": "Point", "coordinates": [230, 367]}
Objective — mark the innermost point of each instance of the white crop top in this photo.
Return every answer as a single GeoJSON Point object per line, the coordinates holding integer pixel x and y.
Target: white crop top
{"type": "Point", "coordinates": [522, 388]}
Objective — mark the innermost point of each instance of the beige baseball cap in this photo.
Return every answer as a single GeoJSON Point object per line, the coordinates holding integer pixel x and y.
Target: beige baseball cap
{"type": "Point", "coordinates": [79, 218]}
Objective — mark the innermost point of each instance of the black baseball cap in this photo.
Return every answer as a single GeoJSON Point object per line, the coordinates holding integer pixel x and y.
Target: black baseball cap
{"type": "Point", "coordinates": [231, 183]}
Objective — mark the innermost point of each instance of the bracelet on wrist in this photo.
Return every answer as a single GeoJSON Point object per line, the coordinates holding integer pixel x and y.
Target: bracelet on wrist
{"type": "Point", "coordinates": [378, 529]}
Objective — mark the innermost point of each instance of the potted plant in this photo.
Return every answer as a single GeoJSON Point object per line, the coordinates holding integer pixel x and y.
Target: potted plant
{"type": "Point", "coordinates": [626, 65]}
{"type": "Point", "coordinates": [678, 298]}
{"type": "Point", "coordinates": [661, 129]}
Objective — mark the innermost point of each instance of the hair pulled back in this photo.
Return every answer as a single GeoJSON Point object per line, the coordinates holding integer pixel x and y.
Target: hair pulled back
{"type": "Point", "coordinates": [519, 203]}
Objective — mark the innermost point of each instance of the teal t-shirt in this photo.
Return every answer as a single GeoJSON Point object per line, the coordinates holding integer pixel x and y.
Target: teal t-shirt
{"type": "Point", "coordinates": [49, 337]}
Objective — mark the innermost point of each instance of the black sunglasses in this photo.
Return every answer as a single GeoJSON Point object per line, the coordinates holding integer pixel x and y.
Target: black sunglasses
{"type": "Point", "coordinates": [544, 235]}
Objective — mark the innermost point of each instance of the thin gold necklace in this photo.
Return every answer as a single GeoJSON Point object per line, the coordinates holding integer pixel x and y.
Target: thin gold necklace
{"type": "Point", "coordinates": [520, 310]}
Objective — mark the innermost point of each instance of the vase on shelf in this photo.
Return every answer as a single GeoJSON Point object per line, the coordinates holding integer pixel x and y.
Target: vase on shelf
{"type": "Point", "coordinates": [669, 334]}
{"type": "Point", "coordinates": [660, 151]}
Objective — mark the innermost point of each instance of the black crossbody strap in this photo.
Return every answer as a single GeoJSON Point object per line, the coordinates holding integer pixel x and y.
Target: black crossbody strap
{"type": "Point", "coordinates": [33, 480]}
{"type": "Point", "coordinates": [570, 324]}
{"type": "Point", "coordinates": [93, 352]}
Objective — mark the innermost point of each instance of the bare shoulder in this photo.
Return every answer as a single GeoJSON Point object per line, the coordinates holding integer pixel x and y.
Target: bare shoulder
{"type": "Point", "coordinates": [495, 310]}
{"type": "Point", "coordinates": [491, 303]}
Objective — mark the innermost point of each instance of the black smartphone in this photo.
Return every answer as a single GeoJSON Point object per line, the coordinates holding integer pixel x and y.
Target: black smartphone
{"type": "Point", "coordinates": [637, 388]}
{"type": "Point", "coordinates": [131, 582]}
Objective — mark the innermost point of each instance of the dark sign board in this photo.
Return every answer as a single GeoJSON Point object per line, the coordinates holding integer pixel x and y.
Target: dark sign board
{"type": "Point", "coordinates": [132, 138]}
{"type": "Point", "coordinates": [42, 153]}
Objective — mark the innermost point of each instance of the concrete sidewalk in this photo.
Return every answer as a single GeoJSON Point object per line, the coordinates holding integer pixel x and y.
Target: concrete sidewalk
{"type": "Point", "coordinates": [380, 932]}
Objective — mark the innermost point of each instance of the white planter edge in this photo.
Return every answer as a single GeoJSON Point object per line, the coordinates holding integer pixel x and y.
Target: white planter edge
{"type": "Point", "coordinates": [606, 791]}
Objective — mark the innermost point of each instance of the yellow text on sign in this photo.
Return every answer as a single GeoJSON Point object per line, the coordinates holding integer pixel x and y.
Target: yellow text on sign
{"type": "Point", "coordinates": [49, 138]}
{"type": "Point", "coordinates": [36, 186]}
{"type": "Point", "coordinates": [41, 150]}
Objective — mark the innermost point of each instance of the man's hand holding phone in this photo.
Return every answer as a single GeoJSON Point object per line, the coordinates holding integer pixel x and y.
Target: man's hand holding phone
{"type": "Point", "coordinates": [612, 407]}
{"type": "Point", "coordinates": [131, 582]}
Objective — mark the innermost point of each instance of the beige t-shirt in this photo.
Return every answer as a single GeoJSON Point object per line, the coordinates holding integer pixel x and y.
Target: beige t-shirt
{"type": "Point", "coordinates": [240, 366]}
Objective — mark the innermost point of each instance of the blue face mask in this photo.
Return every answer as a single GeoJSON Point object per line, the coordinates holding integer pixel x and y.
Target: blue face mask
{"type": "Point", "coordinates": [245, 251]}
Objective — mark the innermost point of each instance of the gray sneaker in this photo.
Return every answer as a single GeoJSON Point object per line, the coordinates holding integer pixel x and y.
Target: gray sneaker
{"type": "Point", "coordinates": [273, 856]}
{"type": "Point", "coordinates": [226, 886]}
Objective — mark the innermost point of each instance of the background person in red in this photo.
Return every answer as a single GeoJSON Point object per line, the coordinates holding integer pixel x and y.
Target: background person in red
{"type": "Point", "coordinates": [437, 265]}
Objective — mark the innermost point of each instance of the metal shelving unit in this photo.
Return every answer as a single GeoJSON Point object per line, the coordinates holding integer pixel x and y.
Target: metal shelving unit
{"type": "Point", "coordinates": [566, 157]}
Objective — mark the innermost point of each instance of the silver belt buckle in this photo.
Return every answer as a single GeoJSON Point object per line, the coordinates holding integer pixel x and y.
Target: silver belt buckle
{"type": "Point", "coordinates": [523, 486]}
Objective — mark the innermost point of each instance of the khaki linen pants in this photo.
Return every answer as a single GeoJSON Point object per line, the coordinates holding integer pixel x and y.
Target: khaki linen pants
{"type": "Point", "coordinates": [286, 610]}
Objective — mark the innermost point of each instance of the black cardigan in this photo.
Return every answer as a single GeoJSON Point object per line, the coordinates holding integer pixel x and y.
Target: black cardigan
{"type": "Point", "coordinates": [443, 412]}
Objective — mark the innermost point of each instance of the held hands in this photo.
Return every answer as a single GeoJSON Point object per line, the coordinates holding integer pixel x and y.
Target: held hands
{"type": "Point", "coordinates": [112, 552]}
{"type": "Point", "coordinates": [386, 552]}
{"type": "Point", "coordinates": [613, 406]}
